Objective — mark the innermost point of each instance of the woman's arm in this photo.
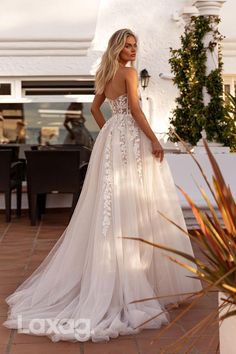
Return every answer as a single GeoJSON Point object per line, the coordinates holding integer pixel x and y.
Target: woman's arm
{"type": "Point", "coordinates": [131, 79]}
{"type": "Point", "coordinates": [95, 109]}
{"type": "Point", "coordinates": [67, 126]}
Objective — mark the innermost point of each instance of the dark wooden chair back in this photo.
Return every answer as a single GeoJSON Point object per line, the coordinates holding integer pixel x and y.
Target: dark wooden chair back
{"type": "Point", "coordinates": [10, 179]}
{"type": "Point", "coordinates": [50, 171]}
{"type": "Point", "coordinates": [5, 169]}
{"type": "Point", "coordinates": [85, 152]}
{"type": "Point", "coordinates": [14, 149]}
{"type": "Point", "coordinates": [53, 170]}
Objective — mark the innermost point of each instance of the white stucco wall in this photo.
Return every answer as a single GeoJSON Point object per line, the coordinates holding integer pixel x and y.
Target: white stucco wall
{"type": "Point", "coordinates": [72, 21]}
{"type": "Point", "coordinates": [152, 22]}
{"type": "Point", "coordinates": [47, 19]}
{"type": "Point", "coordinates": [46, 37]}
{"type": "Point", "coordinates": [228, 29]}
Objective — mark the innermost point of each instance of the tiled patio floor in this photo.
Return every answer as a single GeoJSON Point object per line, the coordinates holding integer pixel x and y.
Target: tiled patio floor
{"type": "Point", "coordinates": [23, 247]}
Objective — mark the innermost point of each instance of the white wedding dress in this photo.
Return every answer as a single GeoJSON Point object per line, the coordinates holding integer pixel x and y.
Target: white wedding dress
{"type": "Point", "coordinates": [92, 272]}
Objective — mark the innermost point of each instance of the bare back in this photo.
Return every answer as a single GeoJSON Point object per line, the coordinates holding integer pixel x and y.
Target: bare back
{"type": "Point", "coordinates": [117, 86]}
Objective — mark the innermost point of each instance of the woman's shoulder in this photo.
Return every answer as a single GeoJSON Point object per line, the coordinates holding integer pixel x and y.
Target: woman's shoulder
{"type": "Point", "coordinates": [130, 70]}
{"type": "Point", "coordinates": [130, 73]}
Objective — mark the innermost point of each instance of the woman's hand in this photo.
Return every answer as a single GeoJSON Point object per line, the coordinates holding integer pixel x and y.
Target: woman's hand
{"type": "Point", "coordinates": [157, 150]}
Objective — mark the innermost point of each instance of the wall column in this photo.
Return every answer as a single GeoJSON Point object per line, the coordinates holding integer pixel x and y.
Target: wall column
{"type": "Point", "coordinates": [209, 8]}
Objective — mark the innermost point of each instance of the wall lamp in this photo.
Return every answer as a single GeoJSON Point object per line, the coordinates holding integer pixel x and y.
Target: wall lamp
{"type": "Point", "coordinates": [144, 76]}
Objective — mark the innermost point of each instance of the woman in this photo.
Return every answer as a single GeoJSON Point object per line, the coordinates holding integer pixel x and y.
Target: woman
{"type": "Point", "coordinates": [3, 139]}
{"type": "Point", "coordinates": [74, 123]}
{"type": "Point", "coordinates": [86, 284]}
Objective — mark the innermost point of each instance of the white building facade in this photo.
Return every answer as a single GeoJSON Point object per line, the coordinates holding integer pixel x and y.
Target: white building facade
{"type": "Point", "coordinates": [49, 50]}
{"type": "Point", "coordinates": [57, 39]}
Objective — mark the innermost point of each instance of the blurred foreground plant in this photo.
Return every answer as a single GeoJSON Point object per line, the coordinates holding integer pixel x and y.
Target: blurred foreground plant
{"type": "Point", "coordinates": [217, 243]}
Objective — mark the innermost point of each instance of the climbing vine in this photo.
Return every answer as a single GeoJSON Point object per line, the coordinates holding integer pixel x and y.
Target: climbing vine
{"type": "Point", "coordinates": [188, 64]}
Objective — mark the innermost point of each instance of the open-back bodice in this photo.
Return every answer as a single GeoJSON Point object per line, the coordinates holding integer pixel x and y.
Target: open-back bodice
{"type": "Point", "coordinates": [120, 104]}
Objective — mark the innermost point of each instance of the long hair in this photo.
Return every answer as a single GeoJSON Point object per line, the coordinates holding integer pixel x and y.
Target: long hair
{"type": "Point", "coordinates": [109, 62]}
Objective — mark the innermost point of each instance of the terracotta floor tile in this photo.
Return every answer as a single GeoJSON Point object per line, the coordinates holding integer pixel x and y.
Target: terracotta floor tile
{"type": "Point", "coordinates": [3, 228]}
{"type": "Point", "coordinates": [21, 229]}
{"type": "Point", "coordinates": [4, 335]}
{"type": "Point", "coordinates": [174, 332]}
{"type": "Point", "coordinates": [3, 304]}
{"type": "Point", "coordinates": [44, 245]}
{"type": "Point", "coordinates": [49, 228]}
{"type": "Point", "coordinates": [11, 251]}
{"type": "Point", "coordinates": [209, 329]}
{"type": "Point", "coordinates": [49, 235]}
{"type": "Point", "coordinates": [24, 242]}
{"type": "Point", "coordinates": [14, 260]}
{"type": "Point", "coordinates": [207, 302]}
{"type": "Point", "coordinates": [3, 348]}
{"type": "Point", "coordinates": [205, 344]}
{"type": "Point", "coordinates": [46, 348]}
{"type": "Point", "coordinates": [3, 312]}
{"type": "Point", "coordinates": [196, 315]}
{"type": "Point", "coordinates": [147, 346]}
{"type": "Point", "coordinates": [31, 267]}
{"type": "Point", "coordinates": [114, 346]}
{"type": "Point", "coordinates": [6, 289]}
{"type": "Point", "coordinates": [56, 221]}
{"type": "Point", "coordinates": [16, 238]}
{"type": "Point", "coordinates": [4, 332]}
{"type": "Point", "coordinates": [11, 268]}
{"type": "Point", "coordinates": [29, 339]}
{"type": "Point", "coordinates": [212, 329]}
{"type": "Point", "coordinates": [10, 279]}
{"type": "Point", "coordinates": [16, 256]}
{"type": "Point", "coordinates": [38, 257]}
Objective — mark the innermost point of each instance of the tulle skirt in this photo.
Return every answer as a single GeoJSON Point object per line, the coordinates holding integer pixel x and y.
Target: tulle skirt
{"type": "Point", "coordinates": [86, 286]}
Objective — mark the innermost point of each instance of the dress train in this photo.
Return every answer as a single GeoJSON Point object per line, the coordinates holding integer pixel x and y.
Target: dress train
{"type": "Point", "coordinates": [84, 287]}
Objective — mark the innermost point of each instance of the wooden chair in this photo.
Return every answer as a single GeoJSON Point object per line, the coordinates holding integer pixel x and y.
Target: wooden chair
{"type": "Point", "coordinates": [14, 149]}
{"type": "Point", "coordinates": [10, 179]}
{"type": "Point", "coordinates": [15, 158]}
{"type": "Point", "coordinates": [85, 152]}
{"type": "Point", "coordinates": [51, 171]}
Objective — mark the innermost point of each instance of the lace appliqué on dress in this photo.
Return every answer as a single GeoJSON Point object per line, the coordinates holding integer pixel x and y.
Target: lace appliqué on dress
{"type": "Point", "coordinates": [123, 149]}
{"type": "Point", "coordinates": [128, 129]}
{"type": "Point", "coordinates": [135, 137]}
{"type": "Point", "coordinates": [128, 124]}
{"type": "Point", "coordinates": [107, 186]}
{"type": "Point", "coordinates": [120, 105]}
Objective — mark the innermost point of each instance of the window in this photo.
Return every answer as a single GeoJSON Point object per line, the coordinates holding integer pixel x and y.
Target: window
{"type": "Point", "coordinates": [50, 112]}
{"type": "Point", "coordinates": [227, 88]}
{"type": "Point", "coordinates": [57, 87]}
{"type": "Point", "coordinates": [230, 84]}
{"type": "Point", "coordinates": [48, 122]}
{"type": "Point", "coordinates": [5, 89]}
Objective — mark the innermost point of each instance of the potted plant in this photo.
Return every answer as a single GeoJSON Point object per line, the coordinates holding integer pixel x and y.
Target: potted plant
{"type": "Point", "coordinates": [217, 269]}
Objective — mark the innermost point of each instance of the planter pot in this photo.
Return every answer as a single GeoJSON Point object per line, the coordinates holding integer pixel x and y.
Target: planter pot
{"type": "Point", "coordinates": [227, 330]}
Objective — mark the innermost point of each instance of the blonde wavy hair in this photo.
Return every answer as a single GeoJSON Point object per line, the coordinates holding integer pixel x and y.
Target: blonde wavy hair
{"type": "Point", "coordinates": [109, 62]}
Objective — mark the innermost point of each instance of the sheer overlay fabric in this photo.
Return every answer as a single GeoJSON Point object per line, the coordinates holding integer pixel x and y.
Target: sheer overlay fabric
{"type": "Point", "coordinates": [92, 272]}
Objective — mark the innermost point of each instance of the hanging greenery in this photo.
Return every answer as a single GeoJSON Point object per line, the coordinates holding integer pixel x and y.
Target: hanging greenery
{"type": "Point", "coordinates": [188, 63]}
{"type": "Point", "coordinates": [231, 117]}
